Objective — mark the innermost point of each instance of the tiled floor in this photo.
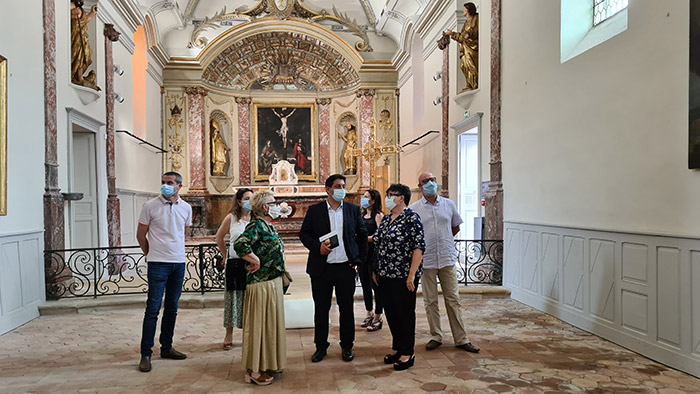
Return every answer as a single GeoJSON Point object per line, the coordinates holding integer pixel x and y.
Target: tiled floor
{"type": "Point", "coordinates": [523, 351]}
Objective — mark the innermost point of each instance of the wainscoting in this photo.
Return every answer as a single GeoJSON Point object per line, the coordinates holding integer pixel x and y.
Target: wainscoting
{"type": "Point", "coordinates": [639, 291]}
{"type": "Point", "coordinates": [130, 204]}
{"type": "Point", "coordinates": [21, 278]}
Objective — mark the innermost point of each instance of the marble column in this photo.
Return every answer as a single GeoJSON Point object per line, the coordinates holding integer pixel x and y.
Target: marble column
{"type": "Point", "coordinates": [494, 193]}
{"type": "Point", "coordinates": [197, 138]}
{"type": "Point", "coordinates": [444, 45]}
{"type": "Point", "coordinates": [54, 225]}
{"type": "Point", "coordinates": [244, 140]}
{"type": "Point", "coordinates": [366, 97]}
{"type": "Point", "coordinates": [324, 138]}
{"type": "Point", "coordinates": [114, 230]}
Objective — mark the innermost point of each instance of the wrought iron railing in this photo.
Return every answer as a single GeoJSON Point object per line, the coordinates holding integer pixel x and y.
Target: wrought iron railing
{"type": "Point", "coordinates": [479, 261]}
{"type": "Point", "coordinates": [95, 272]}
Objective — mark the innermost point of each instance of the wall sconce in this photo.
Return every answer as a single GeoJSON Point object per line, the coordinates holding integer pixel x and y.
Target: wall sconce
{"type": "Point", "coordinates": [437, 76]}
{"type": "Point", "coordinates": [118, 70]}
{"type": "Point", "coordinates": [437, 101]}
{"type": "Point", "coordinates": [118, 97]}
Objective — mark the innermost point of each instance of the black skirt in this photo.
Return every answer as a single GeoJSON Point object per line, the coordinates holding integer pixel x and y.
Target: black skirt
{"type": "Point", "coordinates": [235, 274]}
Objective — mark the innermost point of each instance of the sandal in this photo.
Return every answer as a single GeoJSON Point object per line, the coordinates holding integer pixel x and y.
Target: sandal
{"type": "Point", "coordinates": [262, 380]}
{"type": "Point", "coordinates": [367, 321]}
{"type": "Point", "coordinates": [375, 325]}
{"type": "Point", "coordinates": [228, 345]}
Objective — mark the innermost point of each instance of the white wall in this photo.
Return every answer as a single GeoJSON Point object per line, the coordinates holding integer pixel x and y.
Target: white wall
{"type": "Point", "coordinates": [601, 229]}
{"type": "Point", "coordinates": [21, 231]}
{"type": "Point", "coordinates": [600, 149]}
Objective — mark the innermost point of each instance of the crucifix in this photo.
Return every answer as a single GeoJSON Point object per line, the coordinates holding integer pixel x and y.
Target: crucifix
{"type": "Point", "coordinates": [373, 150]}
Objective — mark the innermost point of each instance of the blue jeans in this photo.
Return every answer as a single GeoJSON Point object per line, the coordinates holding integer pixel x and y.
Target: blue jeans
{"type": "Point", "coordinates": [162, 278]}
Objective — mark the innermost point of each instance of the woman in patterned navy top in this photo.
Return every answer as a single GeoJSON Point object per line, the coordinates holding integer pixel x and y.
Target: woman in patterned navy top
{"type": "Point", "coordinates": [399, 245]}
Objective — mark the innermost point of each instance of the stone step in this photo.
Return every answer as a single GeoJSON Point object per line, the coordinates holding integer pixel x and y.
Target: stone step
{"type": "Point", "coordinates": [85, 305]}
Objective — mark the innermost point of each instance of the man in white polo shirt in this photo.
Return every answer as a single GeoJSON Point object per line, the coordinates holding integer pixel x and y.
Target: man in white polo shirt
{"type": "Point", "coordinates": [161, 232]}
{"type": "Point", "coordinates": [440, 224]}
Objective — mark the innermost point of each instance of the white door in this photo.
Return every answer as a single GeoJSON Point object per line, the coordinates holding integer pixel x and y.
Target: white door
{"type": "Point", "coordinates": [468, 181]}
{"type": "Point", "coordinates": [84, 212]}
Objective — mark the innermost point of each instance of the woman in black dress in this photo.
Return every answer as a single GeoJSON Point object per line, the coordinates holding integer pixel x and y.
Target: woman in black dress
{"type": "Point", "coordinates": [372, 214]}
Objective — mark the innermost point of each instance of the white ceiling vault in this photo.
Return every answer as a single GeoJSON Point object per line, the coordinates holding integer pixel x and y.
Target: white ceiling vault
{"type": "Point", "coordinates": [184, 29]}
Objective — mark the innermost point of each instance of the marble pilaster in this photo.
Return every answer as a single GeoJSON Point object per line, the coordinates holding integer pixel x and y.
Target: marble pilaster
{"type": "Point", "coordinates": [324, 138]}
{"type": "Point", "coordinates": [114, 230]}
{"type": "Point", "coordinates": [54, 226]}
{"type": "Point", "coordinates": [243, 139]}
{"type": "Point", "coordinates": [197, 138]}
{"type": "Point", "coordinates": [366, 113]}
{"type": "Point", "coordinates": [444, 45]}
{"type": "Point", "coordinates": [494, 193]}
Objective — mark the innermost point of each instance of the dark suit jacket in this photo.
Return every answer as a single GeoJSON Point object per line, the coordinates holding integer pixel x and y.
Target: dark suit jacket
{"type": "Point", "coordinates": [317, 224]}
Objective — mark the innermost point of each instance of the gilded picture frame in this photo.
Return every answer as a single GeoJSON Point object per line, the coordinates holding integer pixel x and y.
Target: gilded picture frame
{"type": "Point", "coordinates": [275, 123]}
{"type": "Point", "coordinates": [3, 136]}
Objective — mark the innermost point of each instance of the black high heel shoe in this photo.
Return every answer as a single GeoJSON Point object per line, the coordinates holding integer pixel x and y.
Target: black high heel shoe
{"type": "Point", "coordinates": [375, 325]}
{"type": "Point", "coordinates": [391, 358]}
{"type": "Point", "coordinates": [402, 365]}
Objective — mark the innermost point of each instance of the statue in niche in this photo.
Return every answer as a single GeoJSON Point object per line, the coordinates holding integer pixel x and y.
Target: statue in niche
{"type": "Point", "coordinates": [81, 53]}
{"type": "Point", "coordinates": [218, 150]}
{"type": "Point", "coordinates": [468, 41]}
{"type": "Point", "coordinates": [349, 158]}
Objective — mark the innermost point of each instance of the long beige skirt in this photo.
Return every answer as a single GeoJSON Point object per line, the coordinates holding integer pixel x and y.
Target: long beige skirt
{"type": "Point", "coordinates": [264, 338]}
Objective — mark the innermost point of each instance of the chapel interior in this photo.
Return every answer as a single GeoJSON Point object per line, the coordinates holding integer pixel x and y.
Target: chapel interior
{"type": "Point", "coordinates": [568, 131]}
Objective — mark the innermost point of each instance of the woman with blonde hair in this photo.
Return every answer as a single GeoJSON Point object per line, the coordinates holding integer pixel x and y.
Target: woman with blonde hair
{"type": "Point", "coordinates": [233, 225]}
{"type": "Point", "coordinates": [264, 338]}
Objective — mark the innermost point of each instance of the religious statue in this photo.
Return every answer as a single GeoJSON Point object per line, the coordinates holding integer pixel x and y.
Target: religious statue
{"type": "Point", "coordinates": [300, 156]}
{"type": "Point", "coordinates": [218, 150]}
{"type": "Point", "coordinates": [267, 158]}
{"type": "Point", "coordinates": [284, 128]}
{"type": "Point", "coordinates": [350, 139]}
{"type": "Point", "coordinates": [468, 41]}
{"type": "Point", "coordinates": [81, 53]}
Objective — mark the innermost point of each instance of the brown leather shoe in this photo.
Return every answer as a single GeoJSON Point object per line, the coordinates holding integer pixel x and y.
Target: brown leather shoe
{"type": "Point", "coordinates": [469, 347]}
{"type": "Point", "coordinates": [432, 344]}
{"type": "Point", "coordinates": [145, 364]}
{"type": "Point", "coordinates": [173, 354]}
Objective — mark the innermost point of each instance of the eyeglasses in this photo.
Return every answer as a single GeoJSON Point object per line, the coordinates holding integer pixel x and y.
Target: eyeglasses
{"type": "Point", "coordinates": [271, 203]}
{"type": "Point", "coordinates": [426, 180]}
{"type": "Point", "coordinates": [393, 195]}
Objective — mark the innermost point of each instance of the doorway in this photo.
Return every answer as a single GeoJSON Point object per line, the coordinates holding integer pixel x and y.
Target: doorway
{"type": "Point", "coordinates": [84, 229]}
{"type": "Point", "coordinates": [468, 198]}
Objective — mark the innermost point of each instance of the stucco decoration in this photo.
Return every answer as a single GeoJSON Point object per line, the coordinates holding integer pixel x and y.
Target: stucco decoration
{"type": "Point", "coordinates": [281, 59]}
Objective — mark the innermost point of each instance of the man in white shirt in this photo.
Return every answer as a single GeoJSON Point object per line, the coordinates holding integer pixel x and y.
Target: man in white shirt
{"type": "Point", "coordinates": [161, 232]}
{"type": "Point", "coordinates": [440, 224]}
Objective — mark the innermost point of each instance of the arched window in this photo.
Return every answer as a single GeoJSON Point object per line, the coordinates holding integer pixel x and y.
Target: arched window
{"type": "Point", "coordinates": [139, 63]}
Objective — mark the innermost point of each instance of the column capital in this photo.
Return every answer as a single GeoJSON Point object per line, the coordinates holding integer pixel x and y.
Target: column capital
{"type": "Point", "coordinates": [196, 90]}
{"type": "Point", "coordinates": [365, 92]}
{"type": "Point", "coordinates": [110, 32]}
{"type": "Point", "coordinates": [323, 101]}
{"type": "Point", "coordinates": [443, 43]}
{"type": "Point", "coordinates": [397, 92]}
{"type": "Point", "coordinates": [243, 100]}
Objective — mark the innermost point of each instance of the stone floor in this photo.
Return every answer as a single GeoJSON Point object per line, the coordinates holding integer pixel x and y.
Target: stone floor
{"type": "Point", "coordinates": [523, 351]}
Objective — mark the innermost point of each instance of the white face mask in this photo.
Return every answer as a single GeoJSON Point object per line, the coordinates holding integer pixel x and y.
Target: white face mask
{"type": "Point", "coordinates": [389, 202]}
{"type": "Point", "coordinates": [274, 211]}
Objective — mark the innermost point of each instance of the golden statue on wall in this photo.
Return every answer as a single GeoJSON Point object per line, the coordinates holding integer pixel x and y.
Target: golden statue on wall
{"type": "Point", "coordinates": [468, 41]}
{"type": "Point", "coordinates": [218, 150]}
{"type": "Point", "coordinates": [80, 52]}
{"type": "Point", "coordinates": [350, 139]}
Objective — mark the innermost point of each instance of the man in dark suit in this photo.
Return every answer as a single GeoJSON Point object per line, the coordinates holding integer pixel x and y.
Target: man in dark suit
{"type": "Point", "coordinates": [330, 266]}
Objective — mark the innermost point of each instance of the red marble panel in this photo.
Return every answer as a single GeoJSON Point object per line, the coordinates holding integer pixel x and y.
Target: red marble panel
{"type": "Point", "coordinates": [324, 139]}
{"type": "Point", "coordinates": [196, 132]}
{"type": "Point", "coordinates": [366, 113]}
{"type": "Point", "coordinates": [243, 141]}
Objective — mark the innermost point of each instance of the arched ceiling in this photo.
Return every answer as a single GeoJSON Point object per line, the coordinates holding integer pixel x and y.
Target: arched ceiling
{"type": "Point", "coordinates": [280, 60]}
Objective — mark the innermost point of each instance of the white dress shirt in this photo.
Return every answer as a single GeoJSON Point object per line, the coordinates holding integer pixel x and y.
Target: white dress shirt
{"type": "Point", "coordinates": [337, 254]}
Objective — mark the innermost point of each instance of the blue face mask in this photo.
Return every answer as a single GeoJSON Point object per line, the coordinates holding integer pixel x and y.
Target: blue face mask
{"type": "Point", "coordinates": [167, 190]}
{"type": "Point", "coordinates": [364, 202]}
{"type": "Point", "coordinates": [389, 202]}
{"type": "Point", "coordinates": [246, 205]}
{"type": "Point", "coordinates": [339, 194]}
{"type": "Point", "coordinates": [430, 189]}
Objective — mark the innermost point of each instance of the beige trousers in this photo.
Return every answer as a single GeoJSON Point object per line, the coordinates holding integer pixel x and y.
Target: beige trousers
{"type": "Point", "coordinates": [450, 293]}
